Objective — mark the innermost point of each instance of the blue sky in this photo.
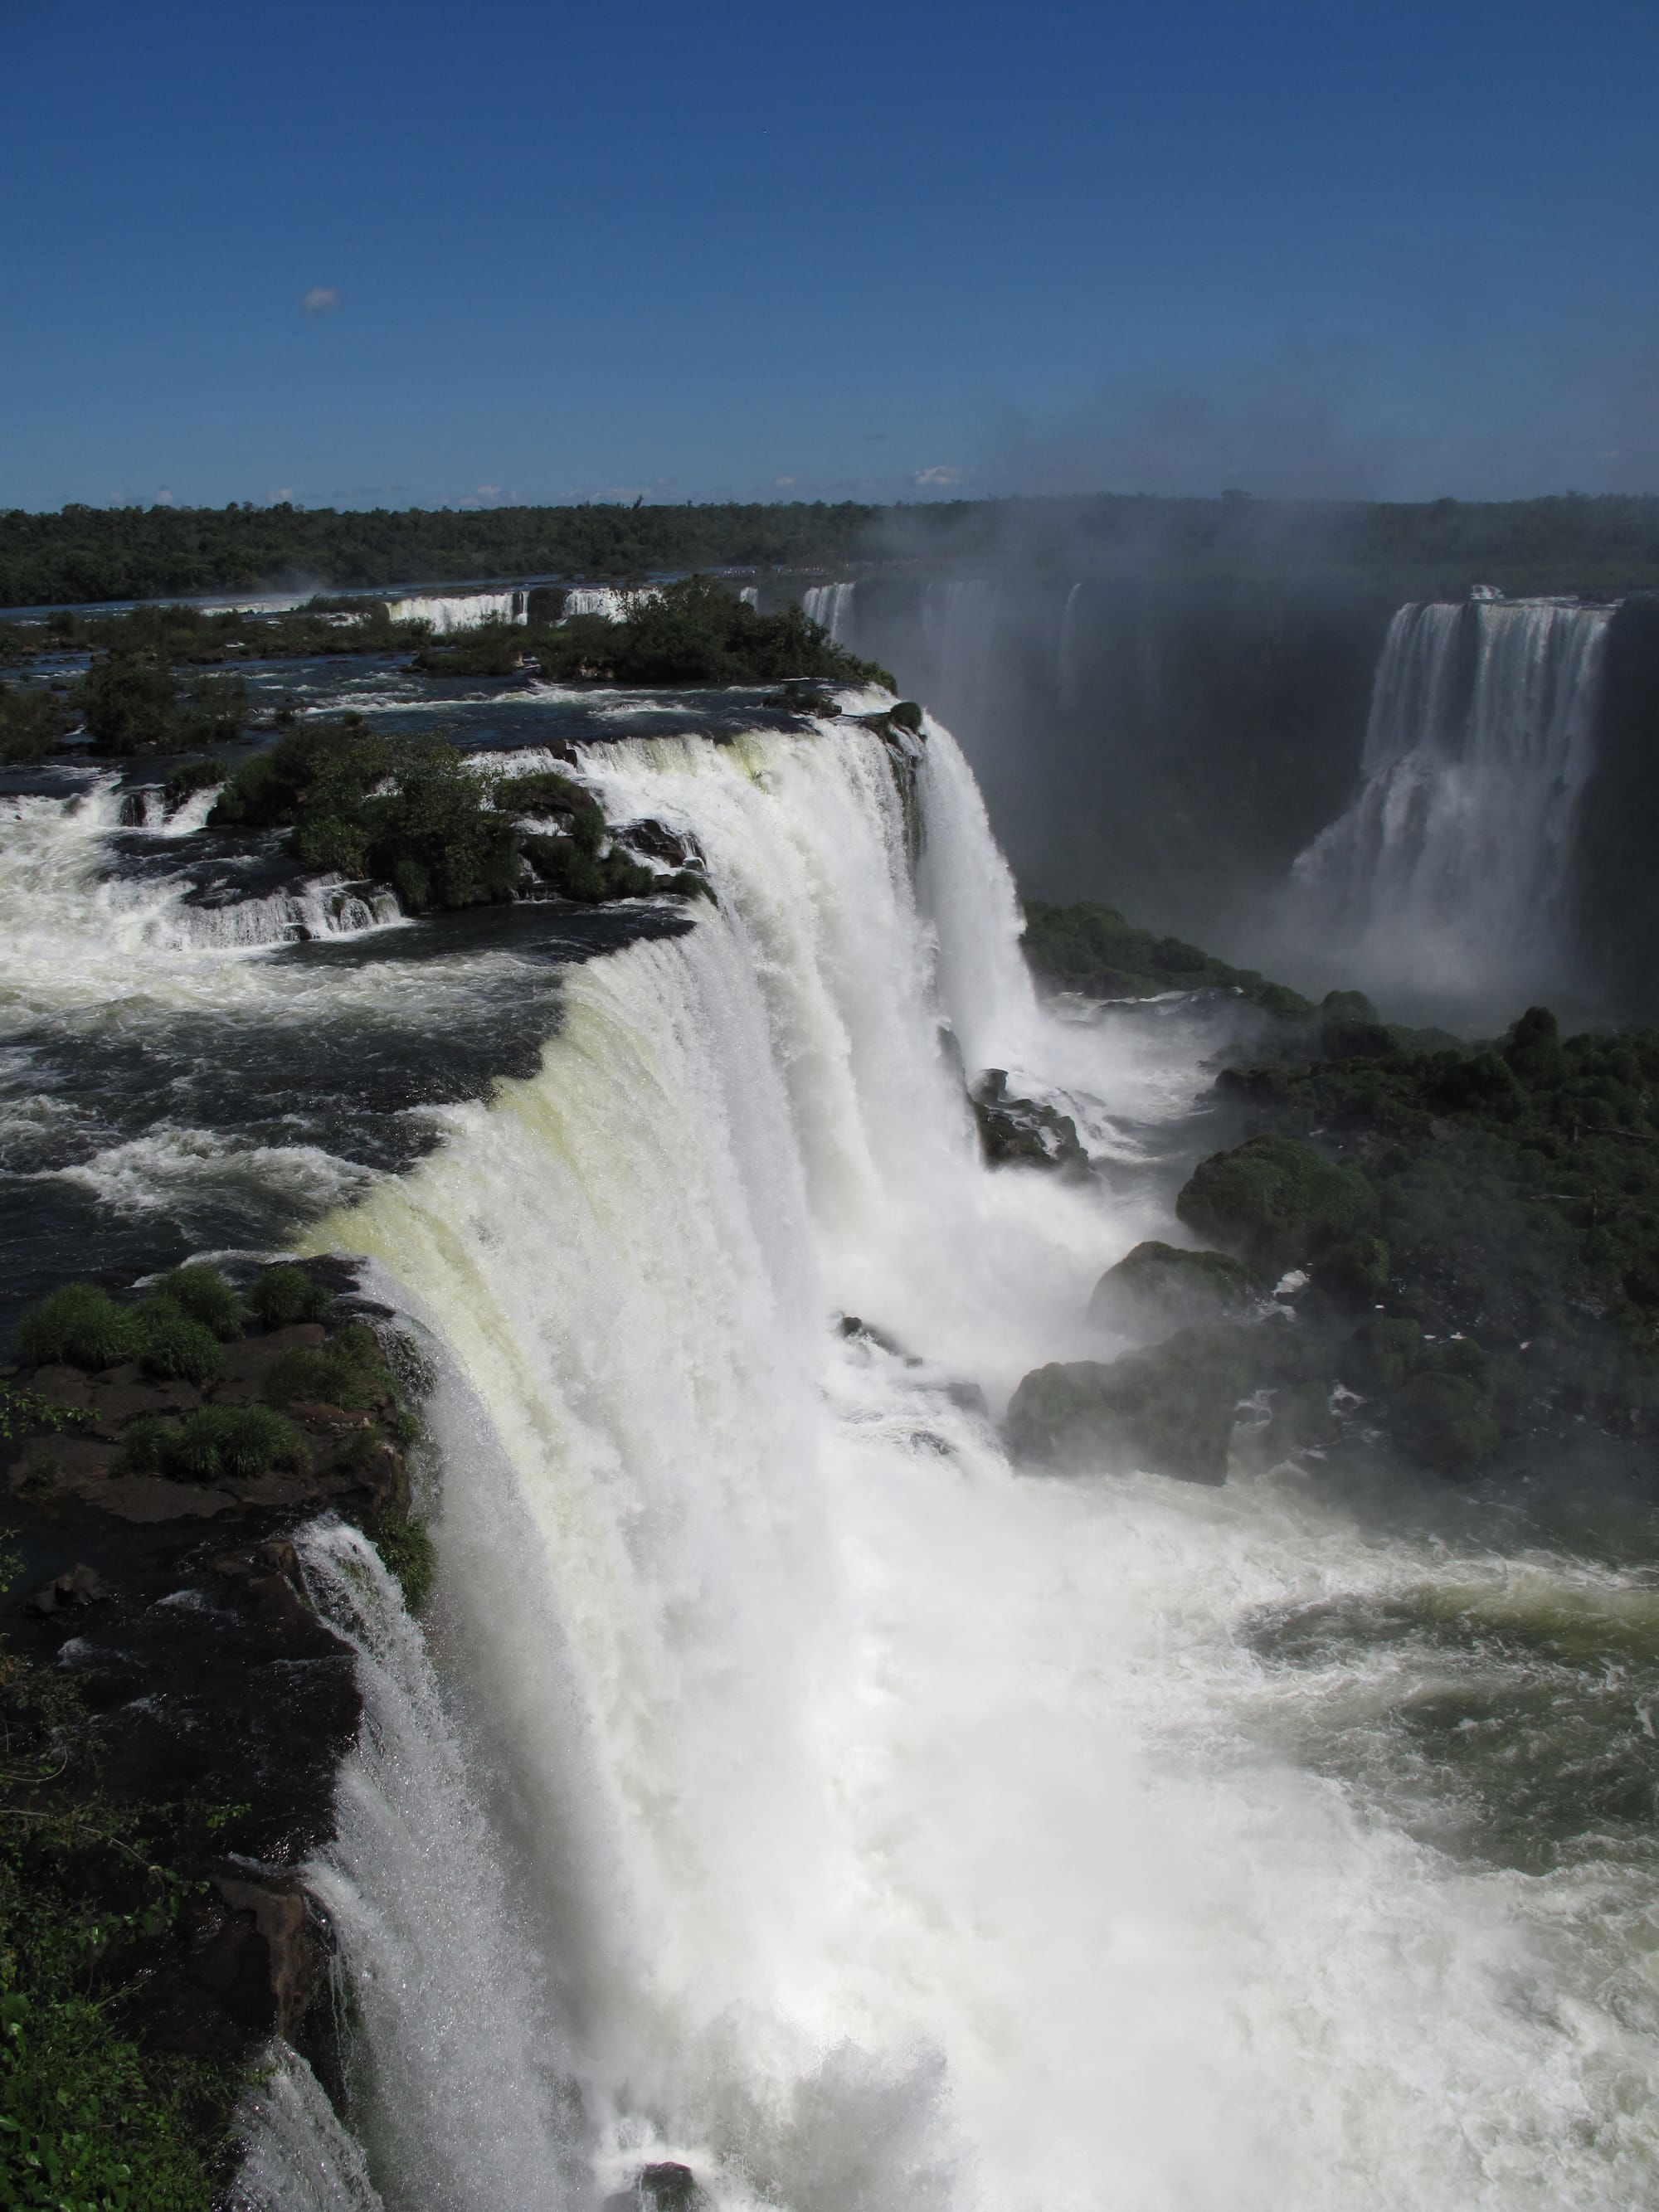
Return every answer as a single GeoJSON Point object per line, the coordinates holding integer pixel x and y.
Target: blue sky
{"type": "Point", "coordinates": [769, 251]}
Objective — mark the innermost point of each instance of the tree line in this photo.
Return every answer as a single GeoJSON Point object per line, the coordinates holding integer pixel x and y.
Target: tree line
{"type": "Point", "coordinates": [79, 554]}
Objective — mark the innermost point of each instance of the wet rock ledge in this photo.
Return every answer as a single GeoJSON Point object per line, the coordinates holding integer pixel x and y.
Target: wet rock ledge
{"type": "Point", "coordinates": [174, 1711]}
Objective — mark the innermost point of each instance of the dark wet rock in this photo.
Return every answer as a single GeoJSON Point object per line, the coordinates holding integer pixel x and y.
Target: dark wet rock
{"type": "Point", "coordinates": [1158, 1288]}
{"type": "Point", "coordinates": [669, 2186]}
{"type": "Point", "coordinates": [78, 1586]}
{"type": "Point", "coordinates": [657, 842]}
{"type": "Point", "coordinates": [1019, 1131]}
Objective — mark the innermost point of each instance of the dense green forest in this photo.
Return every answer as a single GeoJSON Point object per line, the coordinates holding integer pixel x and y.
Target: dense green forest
{"type": "Point", "coordinates": [1606, 544]}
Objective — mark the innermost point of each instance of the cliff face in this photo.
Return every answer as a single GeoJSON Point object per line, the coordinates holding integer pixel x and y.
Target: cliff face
{"type": "Point", "coordinates": [1617, 883]}
{"type": "Point", "coordinates": [176, 1710]}
{"type": "Point", "coordinates": [1179, 740]}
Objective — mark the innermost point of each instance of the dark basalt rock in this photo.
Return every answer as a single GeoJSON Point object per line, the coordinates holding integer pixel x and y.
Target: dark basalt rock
{"type": "Point", "coordinates": [210, 1706]}
{"type": "Point", "coordinates": [1021, 1132]}
{"type": "Point", "coordinates": [655, 841]}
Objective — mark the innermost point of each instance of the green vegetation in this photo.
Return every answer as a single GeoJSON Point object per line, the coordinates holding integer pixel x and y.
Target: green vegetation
{"type": "Point", "coordinates": [1093, 949]}
{"type": "Point", "coordinates": [80, 1324]}
{"type": "Point", "coordinates": [88, 2122]}
{"type": "Point", "coordinates": [1277, 1202]}
{"type": "Point", "coordinates": [410, 811]}
{"type": "Point", "coordinates": [694, 631]}
{"type": "Point", "coordinates": [130, 704]}
{"type": "Point", "coordinates": [212, 1443]}
{"type": "Point", "coordinates": [194, 775]}
{"type": "Point", "coordinates": [545, 794]}
{"type": "Point", "coordinates": [405, 1543]}
{"type": "Point", "coordinates": [1497, 1210]}
{"type": "Point", "coordinates": [406, 811]}
{"type": "Point", "coordinates": [173, 1348]}
{"type": "Point", "coordinates": [284, 1294]}
{"type": "Point", "coordinates": [86, 553]}
{"type": "Point", "coordinates": [203, 1294]}
{"type": "Point", "coordinates": [1158, 1288]}
{"type": "Point", "coordinates": [33, 724]}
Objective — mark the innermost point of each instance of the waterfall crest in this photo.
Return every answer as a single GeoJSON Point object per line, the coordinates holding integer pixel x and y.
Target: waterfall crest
{"type": "Point", "coordinates": [1448, 875]}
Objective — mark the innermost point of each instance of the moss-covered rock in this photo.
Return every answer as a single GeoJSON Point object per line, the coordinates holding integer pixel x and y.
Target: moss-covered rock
{"type": "Point", "coordinates": [1091, 948]}
{"type": "Point", "coordinates": [1277, 1202]}
{"type": "Point", "coordinates": [1169, 1410]}
{"type": "Point", "coordinates": [1159, 1287]}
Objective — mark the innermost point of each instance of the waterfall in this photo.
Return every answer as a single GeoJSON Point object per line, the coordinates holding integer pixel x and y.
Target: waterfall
{"type": "Point", "coordinates": [831, 606]}
{"type": "Point", "coordinates": [801, 1795]}
{"type": "Point", "coordinates": [1448, 874]}
{"type": "Point", "coordinates": [606, 600]}
{"type": "Point", "coordinates": [459, 610]}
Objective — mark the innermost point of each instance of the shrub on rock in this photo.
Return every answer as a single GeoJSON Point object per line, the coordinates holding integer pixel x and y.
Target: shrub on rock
{"type": "Point", "coordinates": [173, 1348]}
{"type": "Point", "coordinates": [214, 1443]}
{"type": "Point", "coordinates": [80, 1324]}
{"type": "Point", "coordinates": [285, 1294]}
{"type": "Point", "coordinates": [204, 1296]}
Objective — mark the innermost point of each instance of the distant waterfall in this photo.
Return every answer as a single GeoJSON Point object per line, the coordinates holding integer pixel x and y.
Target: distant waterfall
{"type": "Point", "coordinates": [611, 601]}
{"type": "Point", "coordinates": [832, 605]}
{"type": "Point", "coordinates": [463, 610]}
{"type": "Point", "coordinates": [1447, 876]}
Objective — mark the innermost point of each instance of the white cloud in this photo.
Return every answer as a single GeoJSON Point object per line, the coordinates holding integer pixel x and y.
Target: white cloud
{"type": "Point", "coordinates": [941, 473]}
{"type": "Point", "coordinates": [164, 497]}
{"type": "Point", "coordinates": [320, 299]}
{"type": "Point", "coordinates": [278, 498]}
{"type": "Point", "coordinates": [784, 483]}
{"type": "Point", "coordinates": [490, 491]}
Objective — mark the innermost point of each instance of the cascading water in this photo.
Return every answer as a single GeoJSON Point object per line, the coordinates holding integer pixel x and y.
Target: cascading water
{"type": "Point", "coordinates": [831, 606]}
{"type": "Point", "coordinates": [1447, 877]}
{"type": "Point", "coordinates": [461, 609]}
{"type": "Point", "coordinates": [606, 600]}
{"type": "Point", "coordinates": [815, 1801]}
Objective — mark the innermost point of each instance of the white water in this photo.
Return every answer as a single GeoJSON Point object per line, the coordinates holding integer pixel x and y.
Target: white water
{"type": "Point", "coordinates": [460, 609]}
{"type": "Point", "coordinates": [70, 923]}
{"type": "Point", "coordinates": [1447, 876]}
{"type": "Point", "coordinates": [831, 605]}
{"type": "Point", "coordinates": [608, 600]}
{"type": "Point", "coordinates": [866, 1826]}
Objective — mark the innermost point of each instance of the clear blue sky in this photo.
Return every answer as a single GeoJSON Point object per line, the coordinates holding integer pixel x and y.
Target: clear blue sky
{"type": "Point", "coordinates": [1365, 248]}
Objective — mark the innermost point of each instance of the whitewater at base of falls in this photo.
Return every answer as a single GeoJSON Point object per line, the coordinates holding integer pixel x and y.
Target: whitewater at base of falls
{"type": "Point", "coordinates": [803, 1795]}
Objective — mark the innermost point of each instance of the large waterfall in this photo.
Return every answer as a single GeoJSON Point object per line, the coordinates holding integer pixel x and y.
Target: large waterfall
{"type": "Point", "coordinates": [794, 1791]}
{"type": "Point", "coordinates": [1447, 876]}
{"type": "Point", "coordinates": [460, 609]}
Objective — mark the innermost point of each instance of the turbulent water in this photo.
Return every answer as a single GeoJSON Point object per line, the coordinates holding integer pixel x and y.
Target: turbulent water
{"type": "Point", "coordinates": [1449, 875]}
{"type": "Point", "coordinates": [786, 1786]}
